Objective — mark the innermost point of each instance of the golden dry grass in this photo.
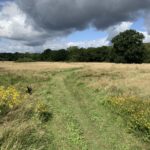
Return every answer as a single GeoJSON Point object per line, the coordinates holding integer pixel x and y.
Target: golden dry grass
{"type": "Point", "coordinates": [128, 78]}
{"type": "Point", "coordinates": [37, 66]}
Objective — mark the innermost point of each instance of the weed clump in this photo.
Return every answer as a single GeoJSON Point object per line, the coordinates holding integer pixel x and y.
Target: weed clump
{"type": "Point", "coordinates": [9, 99]}
{"type": "Point", "coordinates": [42, 110]}
{"type": "Point", "coordinates": [26, 136]}
{"type": "Point", "coordinates": [135, 111]}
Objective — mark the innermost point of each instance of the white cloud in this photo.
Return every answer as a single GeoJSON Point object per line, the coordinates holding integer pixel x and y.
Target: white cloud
{"type": "Point", "coordinates": [11, 46]}
{"type": "Point", "coordinates": [115, 30]}
{"type": "Point", "coordinates": [91, 43]}
{"type": "Point", "coordinates": [13, 24]}
{"type": "Point", "coordinates": [55, 44]}
{"type": "Point", "coordinates": [15, 33]}
{"type": "Point", "coordinates": [147, 36]}
{"type": "Point", "coordinates": [60, 43]}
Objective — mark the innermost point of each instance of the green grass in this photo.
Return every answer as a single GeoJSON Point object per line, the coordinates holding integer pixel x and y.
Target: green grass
{"type": "Point", "coordinates": [81, 120]}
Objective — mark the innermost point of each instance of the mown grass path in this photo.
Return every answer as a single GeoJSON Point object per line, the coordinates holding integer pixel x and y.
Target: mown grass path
{"type": "Point", "coordinates": [80, 120]}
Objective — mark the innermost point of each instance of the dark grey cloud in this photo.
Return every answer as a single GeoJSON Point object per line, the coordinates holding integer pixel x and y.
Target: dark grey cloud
{"type": "Point", "coordinates": [147, 21]}
{"type": "Point", "coordinates": [33, 22]}
{"type": "Point", "coordinates": [64, 15]}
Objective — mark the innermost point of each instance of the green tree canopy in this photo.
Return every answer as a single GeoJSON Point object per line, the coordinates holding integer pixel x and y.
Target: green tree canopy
{"type": "Point", "coordinates": [128, 47]}
{"type": "Point", "coordinates": [46, 55]}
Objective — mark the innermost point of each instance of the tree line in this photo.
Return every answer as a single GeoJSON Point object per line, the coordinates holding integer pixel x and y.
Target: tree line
{"type": "Point", "coordinates": [127, 47]}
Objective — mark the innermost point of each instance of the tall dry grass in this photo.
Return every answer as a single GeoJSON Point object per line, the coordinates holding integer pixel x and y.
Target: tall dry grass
{"type": "Point", "coordinates": [37, 66]}
{"type": "Point", "coordinates": [128, 91]}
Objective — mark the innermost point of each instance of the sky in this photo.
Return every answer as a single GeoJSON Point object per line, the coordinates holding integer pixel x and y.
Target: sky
{"type": "Point", "coordinates": [35, 25]}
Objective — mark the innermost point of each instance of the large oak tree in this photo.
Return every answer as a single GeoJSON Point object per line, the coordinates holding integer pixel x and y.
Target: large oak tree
{"type": "Point", "coordinates": [128, 47]}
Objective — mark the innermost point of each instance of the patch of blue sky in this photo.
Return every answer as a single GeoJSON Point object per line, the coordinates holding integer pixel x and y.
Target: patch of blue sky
{"type": "Point", "coordinates": [87, 34]}
{"type": "Point", "coordinates": [92, 33]}
{"type": "Point", "coordinates": [138, 25]}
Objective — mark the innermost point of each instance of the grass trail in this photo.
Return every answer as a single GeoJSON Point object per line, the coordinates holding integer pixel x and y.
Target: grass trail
{"type": "Point", "coordinates": [81, 121]}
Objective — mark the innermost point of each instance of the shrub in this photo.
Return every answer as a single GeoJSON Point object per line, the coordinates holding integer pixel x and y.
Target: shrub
{"type": "Point", "coordinates": [9, 98]}
{"type": "Point", "coordinates": [42, 110]}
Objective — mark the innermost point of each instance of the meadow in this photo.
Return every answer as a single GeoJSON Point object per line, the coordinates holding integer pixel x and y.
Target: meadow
{"type": "Point", "coordinates": [74, 106]}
